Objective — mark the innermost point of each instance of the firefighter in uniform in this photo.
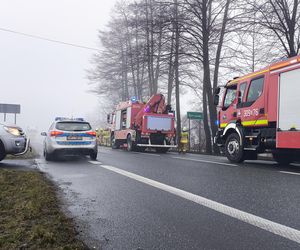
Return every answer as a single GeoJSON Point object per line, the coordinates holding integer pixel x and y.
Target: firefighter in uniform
{"type": "Point", "coordinates": [100, 136]}
{"type": "Point", "coordinates": [184, 140]}
{"type": "Point", "coordinates": [106, 137]}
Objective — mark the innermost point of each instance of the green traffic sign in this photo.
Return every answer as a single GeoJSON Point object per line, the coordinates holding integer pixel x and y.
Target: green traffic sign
{"type": "Point", "coordinates": [195, 115]}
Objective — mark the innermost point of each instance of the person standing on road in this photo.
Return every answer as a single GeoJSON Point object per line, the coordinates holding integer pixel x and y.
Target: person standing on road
{"type": "Point", "coordinates": [184, 140]}
{"type": "Point", "coordinates": [100, 137]}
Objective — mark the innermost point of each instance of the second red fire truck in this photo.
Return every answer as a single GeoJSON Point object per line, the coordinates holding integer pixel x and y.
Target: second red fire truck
{"type": "Point", "coordinates": [260, 112]}
{"type": "Point", "coordinates": [139, 125]}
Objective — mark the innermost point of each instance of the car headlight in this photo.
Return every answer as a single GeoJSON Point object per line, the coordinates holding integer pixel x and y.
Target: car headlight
{"type": "Point", "coordinates": [12, 130]}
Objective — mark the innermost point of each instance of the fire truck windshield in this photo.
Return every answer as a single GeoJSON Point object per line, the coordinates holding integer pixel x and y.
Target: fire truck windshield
{"type": "Point", "coordinates": [229, 97]}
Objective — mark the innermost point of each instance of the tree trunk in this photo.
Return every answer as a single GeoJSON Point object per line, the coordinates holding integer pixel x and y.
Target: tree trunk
{"type": "Point", "coordinates": [208, 148]}
{"type": "Point", "coordinates": [157, 69]}
{"type": "Point", "coordinates": [150, 79]}
{"type": "Point", "coordinates": [171, 71]}
{"type": "Point", "coordinates": [220, 45]}
{"type": "Point", "coordinates": [176, 70]}
{"type": "Point", "coordinates": [125, 94]}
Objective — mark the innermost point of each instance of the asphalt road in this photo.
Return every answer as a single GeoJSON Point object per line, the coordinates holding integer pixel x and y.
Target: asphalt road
{"type": "Point", "coordinates": [169, 201]}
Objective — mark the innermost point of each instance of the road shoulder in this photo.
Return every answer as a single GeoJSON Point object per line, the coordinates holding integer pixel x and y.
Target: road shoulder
{"type": "Point", "coordinates": [31, 216]}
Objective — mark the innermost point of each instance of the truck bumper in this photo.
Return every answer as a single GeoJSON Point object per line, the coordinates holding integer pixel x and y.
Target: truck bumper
{"type": "Point", "coordinates": [156, 146]}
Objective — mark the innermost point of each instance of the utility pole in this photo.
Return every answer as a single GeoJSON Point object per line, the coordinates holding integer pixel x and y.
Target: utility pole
{"type": "Point", "coordinates": [176, 69]}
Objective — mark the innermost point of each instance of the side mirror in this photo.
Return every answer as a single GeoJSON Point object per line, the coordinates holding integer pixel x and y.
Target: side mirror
{"type": "Point", "coordinates": [217, 91]}
{"type": "Point", "coordinates": [43, 134]}
{"type": "Point", "coordinates": [108, 118]}
{"type": "Point", "coordinates": [239, 93]}
{"type": "Point", "coordinates": [216, 99]}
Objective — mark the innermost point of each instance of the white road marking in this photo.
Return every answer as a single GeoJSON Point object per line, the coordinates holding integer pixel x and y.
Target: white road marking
{"type": "Point", "coordinates": [205, 161]}
{"type": "Point", "coordinates": [172, 153]}
{"type": "Point", "coordinates": [95, 162]}
{"type": "Point", "coordinates": [293, 173]}
{"type": "Point", "coordinates": [270, 226]}
{"type": "Point", "coordinates": [104, 152]}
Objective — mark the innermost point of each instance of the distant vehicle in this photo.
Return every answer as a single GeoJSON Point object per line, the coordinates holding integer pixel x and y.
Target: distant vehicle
{"type": "Point", "coordinates": [70, 137]}
{"type": "Point", "coordinates": [260, 112]}
{"type": "Point", "coordinates": [12, 141]}
{"type": "Point", "coordinates": [143, 125]}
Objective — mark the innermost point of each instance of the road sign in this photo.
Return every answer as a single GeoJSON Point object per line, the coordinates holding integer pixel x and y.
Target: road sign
{"type": "Point", "coordinates": [10, 108]}
{"type": "Point", "coordinates": [195, 116]}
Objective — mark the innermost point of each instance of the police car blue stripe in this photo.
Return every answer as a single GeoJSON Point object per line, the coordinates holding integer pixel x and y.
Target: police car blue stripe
{"type": "Point", "coordinates": [73, 134]}
{"type": "Point", "coordinates": [74, 142]}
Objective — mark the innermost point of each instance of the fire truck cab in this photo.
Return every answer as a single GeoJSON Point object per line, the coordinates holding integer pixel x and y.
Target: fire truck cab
{"type": "Point", "coordinates": [260, 112]}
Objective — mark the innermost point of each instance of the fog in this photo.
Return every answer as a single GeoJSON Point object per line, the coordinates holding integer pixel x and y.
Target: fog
{"type": "Point", "coordinates": [49, 79]}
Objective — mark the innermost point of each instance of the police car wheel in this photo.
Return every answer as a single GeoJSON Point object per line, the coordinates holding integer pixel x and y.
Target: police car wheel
{"type": "Point", "coordinates": [48, 157]}
{"type": "Point", "coordinates": [233, 149]}
{"type": "Point", "coordinates": [93, 156]}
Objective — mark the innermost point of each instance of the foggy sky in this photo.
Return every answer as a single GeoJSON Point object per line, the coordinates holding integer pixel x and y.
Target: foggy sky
{"type": "Point", "coordinates": [49, 79]}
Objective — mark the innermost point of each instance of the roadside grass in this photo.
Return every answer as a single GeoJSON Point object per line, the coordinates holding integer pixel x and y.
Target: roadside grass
{"type": "Point", "coordinates": [31, 154]}
{"type": "Point", "coordinates": [30, 216]}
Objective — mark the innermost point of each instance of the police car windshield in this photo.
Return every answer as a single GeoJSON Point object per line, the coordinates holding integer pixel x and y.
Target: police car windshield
{"type": "Point", "coordinates": [73, 126]}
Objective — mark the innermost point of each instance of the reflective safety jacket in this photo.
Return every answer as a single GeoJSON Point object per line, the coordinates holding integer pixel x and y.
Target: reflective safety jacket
{"type": "Point", "coordinates": [184, 137]}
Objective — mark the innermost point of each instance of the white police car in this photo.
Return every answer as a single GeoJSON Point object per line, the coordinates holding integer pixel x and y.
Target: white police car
{"type": "Point", "coordinates": [70, 137]}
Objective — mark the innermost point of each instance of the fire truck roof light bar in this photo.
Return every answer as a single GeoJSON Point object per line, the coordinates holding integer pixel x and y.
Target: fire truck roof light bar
{"type": "Point", "coordinates": [272, 68]}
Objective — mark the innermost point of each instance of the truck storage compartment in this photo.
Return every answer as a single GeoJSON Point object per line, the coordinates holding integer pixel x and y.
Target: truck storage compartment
{"type": "Point", "coordinates": [157, 123]}
{"type": "Point", "coordinates": [288, 126]}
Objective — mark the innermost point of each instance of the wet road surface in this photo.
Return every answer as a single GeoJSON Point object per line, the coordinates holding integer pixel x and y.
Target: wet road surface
{"type": "Point", "coordinates": [169, 201]}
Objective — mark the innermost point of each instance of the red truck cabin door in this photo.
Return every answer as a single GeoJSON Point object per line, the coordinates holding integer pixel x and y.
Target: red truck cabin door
{"type": "Point", "coordinates": [288, 117]}
{"type": "Point", "coordinates": [228, 113]}
{"type": "Point", "coordinates": [250, 109]}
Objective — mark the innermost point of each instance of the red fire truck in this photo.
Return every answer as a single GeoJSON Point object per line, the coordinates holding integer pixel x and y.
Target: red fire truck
{"type": "Point", "coordinates": [260, 112]}
{"type": "Point", "coordinates": [141, 125]}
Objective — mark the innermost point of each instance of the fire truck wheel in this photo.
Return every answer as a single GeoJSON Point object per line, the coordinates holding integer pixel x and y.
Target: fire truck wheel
{"type": "Point", "coordinates": [114, 142]}
{"type": "Point", "coordinates": [233, 150]}
{"type": "Point", "coordinates": [282, 158]}
{"type": "Point", "coordinates": [130, 144]}
{"type": "Point", "coordinates": [141, 149]}
{"type": "Point", "coordinates": [162, 150]}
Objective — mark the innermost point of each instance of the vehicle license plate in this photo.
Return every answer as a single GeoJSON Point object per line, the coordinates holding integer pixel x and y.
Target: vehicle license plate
{"type": "Point", "coordinates": [74, 137]}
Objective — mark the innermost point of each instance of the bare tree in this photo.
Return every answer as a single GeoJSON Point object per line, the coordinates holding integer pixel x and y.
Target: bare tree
{"type": "Point", "coordinates": [282, 18]}
{"type": "Point", "coordinates": [205, 28]}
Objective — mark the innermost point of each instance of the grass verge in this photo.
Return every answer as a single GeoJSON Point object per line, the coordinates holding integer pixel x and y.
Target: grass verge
{"type": "Point", "coordinates": [31, 154]}
{"type": "Point", "coordinates": [30, 217]}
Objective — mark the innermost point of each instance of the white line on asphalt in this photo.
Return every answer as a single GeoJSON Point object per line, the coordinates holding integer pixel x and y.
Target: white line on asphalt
{"type": "Point", "coordinates": [270, 226]}
{"type": "Point", "coordinates": [285, 172]}
{"type": "Point", "coordinates": [95, 162]}
{"type": "Point", "coordinates": [205, 161]}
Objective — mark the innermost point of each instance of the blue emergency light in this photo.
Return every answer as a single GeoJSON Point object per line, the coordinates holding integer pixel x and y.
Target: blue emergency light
{"type": "Point", "coordinates": [71, 119]}
{"type": "Point", "coordinates": [60, 118]}
{"type": "Point", "coordinates": [133, 99]}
